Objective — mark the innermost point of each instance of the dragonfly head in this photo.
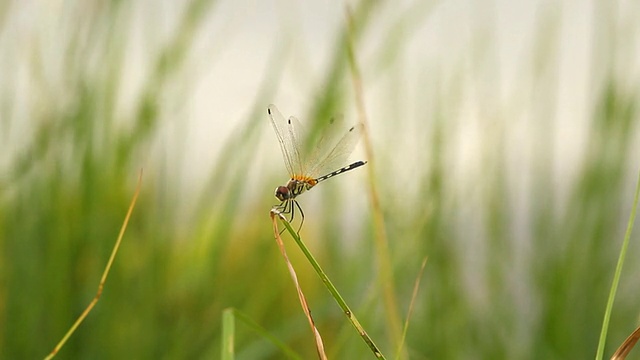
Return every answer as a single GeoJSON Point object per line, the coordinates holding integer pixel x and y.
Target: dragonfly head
{"type": "Point", "coordinates": [283, 193]}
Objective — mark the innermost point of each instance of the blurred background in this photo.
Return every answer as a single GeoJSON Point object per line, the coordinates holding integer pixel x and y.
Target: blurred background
{"type": "Point", "coordinates": [505, 149]}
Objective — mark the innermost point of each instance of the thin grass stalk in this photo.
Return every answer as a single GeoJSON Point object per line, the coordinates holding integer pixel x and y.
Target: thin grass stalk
{"type": "Point", "coordinates": [414, 295]}
{"type": "Point", "coordinates": [332, 289]}
{"type": "Point", "coordinates": [616, 277]}
{"type": "Point", "coordinates": [381, 241]}
{"type": "Point", "coordinates": [103, 280]}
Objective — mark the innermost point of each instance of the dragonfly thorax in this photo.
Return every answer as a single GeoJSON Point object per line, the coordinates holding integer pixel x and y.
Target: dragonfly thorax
{"type": "Point", "coordinates": [293, 188]}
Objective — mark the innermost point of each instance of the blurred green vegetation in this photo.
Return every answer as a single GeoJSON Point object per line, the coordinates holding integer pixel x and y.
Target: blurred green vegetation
{"type": "Point", "coordinates": [521, 247]}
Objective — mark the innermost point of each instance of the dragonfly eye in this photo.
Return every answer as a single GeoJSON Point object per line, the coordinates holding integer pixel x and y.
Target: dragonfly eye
{"type": "Point", "coordinates": [282, 193]}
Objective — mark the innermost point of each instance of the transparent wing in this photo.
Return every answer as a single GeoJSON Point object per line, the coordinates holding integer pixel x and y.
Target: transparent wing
{"type": "Point", "coordinates": [295, 129]}
{"type": "Point", "coordinates": [327, 159]}
{"type": "Point", "coordinates": [286, 132]}
{"type": "Point", "coordinates": [325, 140]}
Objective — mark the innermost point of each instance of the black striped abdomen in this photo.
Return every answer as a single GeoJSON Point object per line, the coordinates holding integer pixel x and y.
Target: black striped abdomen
{"type": "Point", "coordinates": [340, 171]}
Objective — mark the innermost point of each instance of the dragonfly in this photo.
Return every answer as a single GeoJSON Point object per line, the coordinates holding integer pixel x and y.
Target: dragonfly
{"type": "Point", "coordinates": [307, 168]}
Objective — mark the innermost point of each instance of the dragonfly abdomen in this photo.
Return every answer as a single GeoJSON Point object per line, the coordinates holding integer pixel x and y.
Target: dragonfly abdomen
{"type": "Point", "coordinates": [340, 171]}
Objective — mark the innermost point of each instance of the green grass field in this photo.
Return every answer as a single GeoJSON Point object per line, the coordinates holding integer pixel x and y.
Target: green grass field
{"type": "Point", "coordinates": [514, 175]}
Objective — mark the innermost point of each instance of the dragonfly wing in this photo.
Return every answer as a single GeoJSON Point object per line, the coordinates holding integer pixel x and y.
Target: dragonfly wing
{"type": "Point", "coordinates": [283, 133]}
{"type": "Point", "coordinates": [295, 130]}
{"type": "Point", "coordinates": [336, 156]}
{"type": "Point", "coordinates": [287, 132]}
{"type": "Point", "coordinates": [324, 142]}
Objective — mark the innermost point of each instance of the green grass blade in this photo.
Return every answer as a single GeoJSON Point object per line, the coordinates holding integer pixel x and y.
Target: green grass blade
{"type": "Point", "coordinates": [228, 333]}
{"type": "Point", "coordinates": [229, 316]}
{"type": "Point", "coordinates": [332, 289]}
{"type": "Point", "coordinates": [616, 277]}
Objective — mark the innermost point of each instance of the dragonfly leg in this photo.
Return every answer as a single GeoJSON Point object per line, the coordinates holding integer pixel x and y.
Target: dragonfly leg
{"type": "Point", "coordinates": [292, 210]}
{"type": "Point", "coordinates": [288, 207]}
{"type": "Point", "coordinates": [301, 215]}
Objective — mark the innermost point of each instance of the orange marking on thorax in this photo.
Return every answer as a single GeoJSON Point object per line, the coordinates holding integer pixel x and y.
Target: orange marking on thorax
{"type": "Point", "coordinates": [309, 180]}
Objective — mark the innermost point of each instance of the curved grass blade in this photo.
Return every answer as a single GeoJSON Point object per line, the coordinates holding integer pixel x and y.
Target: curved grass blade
{"type": "Point", "coordinates": [626, 346]}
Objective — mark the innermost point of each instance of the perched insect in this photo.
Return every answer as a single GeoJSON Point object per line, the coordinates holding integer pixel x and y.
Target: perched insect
{"type": "Point", "coordinates": [307, 171]}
